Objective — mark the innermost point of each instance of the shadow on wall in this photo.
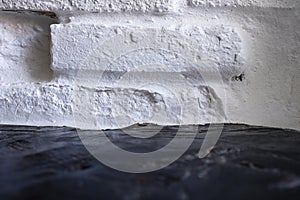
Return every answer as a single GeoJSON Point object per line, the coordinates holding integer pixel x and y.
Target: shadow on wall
{"type": "Point", "coordinates": [25, 47]}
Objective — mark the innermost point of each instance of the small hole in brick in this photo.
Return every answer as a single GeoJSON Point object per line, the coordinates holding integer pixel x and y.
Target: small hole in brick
{"type": "Point", "coordinates": [235, 57]}
{"type": "Point", "coordinates": [239, 78]}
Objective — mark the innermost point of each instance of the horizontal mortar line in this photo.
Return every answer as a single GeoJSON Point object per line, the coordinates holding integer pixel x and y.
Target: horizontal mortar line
{"type": "Point", "coordinates": [33, 12]}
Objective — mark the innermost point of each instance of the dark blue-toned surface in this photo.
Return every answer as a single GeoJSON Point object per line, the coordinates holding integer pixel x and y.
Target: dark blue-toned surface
{"type": "Point", "coordinates": [247, 163]}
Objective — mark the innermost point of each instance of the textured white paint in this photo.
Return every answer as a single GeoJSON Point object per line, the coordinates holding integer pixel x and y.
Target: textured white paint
{"type": "Point", "coordinates": [260, 39]}
{"type": "Point", "coordinates": [87, 5]}
{"type": "Point", "coordinates": [24, 48]}
{"type": "Point", "coordinates": [53, 104]}
{"type": "Point", "coordinates": [238, 3]}
{"type": "Point", "coordinates": [181, 49]}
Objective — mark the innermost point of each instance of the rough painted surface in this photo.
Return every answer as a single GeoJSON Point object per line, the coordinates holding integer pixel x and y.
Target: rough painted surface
{"type": "Point", "coordinates": [252, 45]}
{"type": "Point", "coordinates": [33, 102]}
{"type": "Point", "coordinates": [248, 3]}
{"type": "Point", "coordinates": [54, 104]}
{"type": "Point", "coordinates": [80, 47]}
{"type": "Point", "coordinates": [66, 6]}
{"type": "Point", "coordinates": [87, 5]}
{"type": "Point", "coordinates": [24, 48]}
{"type": "Point", "coordinates": [248, 162]}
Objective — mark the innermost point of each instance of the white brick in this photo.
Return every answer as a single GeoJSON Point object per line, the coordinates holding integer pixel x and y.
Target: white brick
{"type": "Point", "coordinates": [54, 104]}
{"type": "Point", "coordinates": [24, 48]}
{"type": "Point", "coordinates": [243, 3]}
{"type": "Point", "coordinates": [87, 5]}
{"type": "Point", "coordinates": [129, 49]}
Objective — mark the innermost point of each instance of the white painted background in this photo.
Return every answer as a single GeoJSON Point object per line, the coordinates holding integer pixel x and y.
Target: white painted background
{"type": "Point", "coordinates": [48, 65]}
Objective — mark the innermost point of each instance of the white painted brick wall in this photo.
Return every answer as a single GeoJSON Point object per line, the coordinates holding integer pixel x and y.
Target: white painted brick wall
{"type": "Point", "coordinates": [121, 62]}
{"type": "Point", "coordinates": [246, 3]}
{"type": "Point", "coordinates": [131, 49]}
{"type": "Point", "coordinates": [24, 48]}
{"type": "Point", "coordinates": [88, 5]}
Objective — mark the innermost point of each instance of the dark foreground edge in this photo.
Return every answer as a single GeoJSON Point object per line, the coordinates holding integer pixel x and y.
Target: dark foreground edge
{"type": "Point", "coordinates": [247, 163]}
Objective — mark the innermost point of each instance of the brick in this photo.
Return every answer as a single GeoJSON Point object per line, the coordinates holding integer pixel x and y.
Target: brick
{"type": "Point", "coordinates": [109, 108]}
{"type": "Point", "coordinates": [243, 3]}
{"type": "Point", "coordinates": [24, 48]}
{"type": "Point", "coordinates": [87, 5]}
{"type": "Point", "coordinates": [102, 48]}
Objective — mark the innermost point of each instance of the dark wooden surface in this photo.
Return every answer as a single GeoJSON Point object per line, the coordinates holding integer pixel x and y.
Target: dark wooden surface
{"type": "Point", "coordinates": [247, 163]}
